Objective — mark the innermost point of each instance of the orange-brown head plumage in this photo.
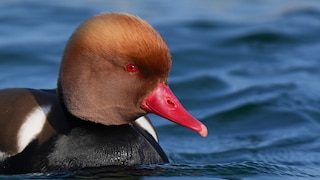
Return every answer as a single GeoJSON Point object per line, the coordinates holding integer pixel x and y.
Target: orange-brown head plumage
{"type": "Point", "coordinates": [93, 72]}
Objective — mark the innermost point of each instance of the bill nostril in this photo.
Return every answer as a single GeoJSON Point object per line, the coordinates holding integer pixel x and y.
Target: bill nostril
{"type": "Point", "coordinates": [171, 103]}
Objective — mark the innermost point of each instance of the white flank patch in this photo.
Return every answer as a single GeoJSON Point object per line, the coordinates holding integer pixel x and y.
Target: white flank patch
{"type": "Point", "coordinates": [146, 125]}
{"type": "Point", "coordinates": [3, 156]}
{"type": "Point", "coordinates": [32, 126]}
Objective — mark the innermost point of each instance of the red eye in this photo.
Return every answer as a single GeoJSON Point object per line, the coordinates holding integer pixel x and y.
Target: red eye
{"type": "Point", "coordinates": [131, 68]}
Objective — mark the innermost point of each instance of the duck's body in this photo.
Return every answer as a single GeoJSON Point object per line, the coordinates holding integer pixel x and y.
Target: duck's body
{"type": "Point", "coordinates": [51, 139]}
{"type": "Point", "coordinates": [114, 70]}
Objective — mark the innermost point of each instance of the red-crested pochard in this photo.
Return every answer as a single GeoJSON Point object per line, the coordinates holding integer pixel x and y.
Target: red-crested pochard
{"type": "Point", "coordinates": [113, 72]}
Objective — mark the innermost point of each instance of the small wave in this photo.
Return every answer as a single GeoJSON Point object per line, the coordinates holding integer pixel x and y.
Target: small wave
{"type": "Point", "coordinates": [261, 38]}
{"type": "Point", "coordinates": [198, 85]}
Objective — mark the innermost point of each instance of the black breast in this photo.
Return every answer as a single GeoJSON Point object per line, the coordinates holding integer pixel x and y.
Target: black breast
{"type": "Point", "coordinates": [88, 145]}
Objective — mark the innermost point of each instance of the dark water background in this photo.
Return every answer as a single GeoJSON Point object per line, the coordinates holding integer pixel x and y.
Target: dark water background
{"type": "Point", "coordinates": [247, 69]}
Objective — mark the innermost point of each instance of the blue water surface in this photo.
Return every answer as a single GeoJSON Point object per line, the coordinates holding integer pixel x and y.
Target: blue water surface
{"type": "Point", "coordinates": [247, 69]}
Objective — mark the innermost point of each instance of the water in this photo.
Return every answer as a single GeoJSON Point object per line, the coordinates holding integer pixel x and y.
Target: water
{"type": "Point", "coordinates": [249, 70]}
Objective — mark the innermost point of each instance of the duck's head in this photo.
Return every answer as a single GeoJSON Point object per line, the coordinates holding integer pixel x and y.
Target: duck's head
{"type": "Point", "coordinates": [114, 69]}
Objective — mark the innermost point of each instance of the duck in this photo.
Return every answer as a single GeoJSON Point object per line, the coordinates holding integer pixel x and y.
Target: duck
{"type": "Point", "coordinates": [113, 72]}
